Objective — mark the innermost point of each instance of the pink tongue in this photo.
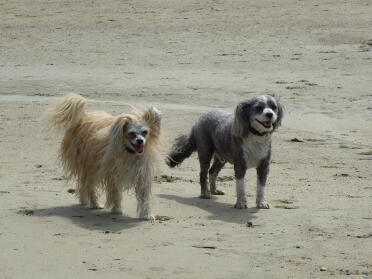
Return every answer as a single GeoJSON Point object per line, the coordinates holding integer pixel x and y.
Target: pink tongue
{"type": "Point", "coordinates": [139, 148]}
{"type": "Point", "coordinates": [268, 123]}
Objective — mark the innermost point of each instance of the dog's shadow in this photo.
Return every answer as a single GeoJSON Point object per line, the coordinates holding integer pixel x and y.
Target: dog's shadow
{"type": "Point", "coordinates": [219, 210]}
{"type": "Point", "coordinates": [90, 219]}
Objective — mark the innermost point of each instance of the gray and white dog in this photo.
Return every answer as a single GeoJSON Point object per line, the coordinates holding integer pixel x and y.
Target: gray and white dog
{"type": "Point", "coordinates": [242, 139]}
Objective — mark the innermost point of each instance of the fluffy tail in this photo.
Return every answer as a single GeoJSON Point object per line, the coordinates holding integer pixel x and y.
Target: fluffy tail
{"type": "Point", "coordinates": [184, 146]}
{"type": "Point", "coordinates": [67, 112]}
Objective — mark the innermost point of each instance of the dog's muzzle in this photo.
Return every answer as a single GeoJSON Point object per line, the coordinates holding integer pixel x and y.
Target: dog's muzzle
{"type": "Point", "coordinates": [138, 145]}
{"type": "Point", "coordinates": [139, 148]}
{"type": "Point", "coordinates": [267, 124]}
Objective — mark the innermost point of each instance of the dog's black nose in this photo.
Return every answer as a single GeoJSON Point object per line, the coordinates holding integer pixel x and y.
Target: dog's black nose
{"type": "Point", "coordinates": [269, 115]}
{"type": "Point", "coordinates": [139, 141]}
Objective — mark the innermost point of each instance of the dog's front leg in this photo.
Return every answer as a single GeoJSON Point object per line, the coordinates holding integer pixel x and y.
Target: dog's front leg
{"type": "Point", "coordinates": [143, 192]}
{"type": "Point", "coordinates": [262, 172]}
{"type": "Point", "coordinates": [241, 200]}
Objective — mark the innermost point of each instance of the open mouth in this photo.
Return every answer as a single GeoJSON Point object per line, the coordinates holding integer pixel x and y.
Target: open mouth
{"type": "Point", "coordinates": [139, 148]}
{"type": "Point", "coordinates": [267, 124]}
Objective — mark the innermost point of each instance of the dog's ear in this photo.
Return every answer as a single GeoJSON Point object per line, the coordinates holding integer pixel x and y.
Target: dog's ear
{"type": "Point", "coordinates": [152, 117]}
{"type": "Point", "coordinates": [281, 111]}
{"type": "Point", "coordinates": [116, 137]}
{"type": "Point", "coordinates": [241, 125]}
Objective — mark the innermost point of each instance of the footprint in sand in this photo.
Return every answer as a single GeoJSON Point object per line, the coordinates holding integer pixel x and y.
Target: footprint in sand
{"type": "Point", "coordinates": [285, 204]}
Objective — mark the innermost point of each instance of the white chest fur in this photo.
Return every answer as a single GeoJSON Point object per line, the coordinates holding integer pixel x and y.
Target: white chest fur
{"type": "Point", "coordinates": [255, 148]}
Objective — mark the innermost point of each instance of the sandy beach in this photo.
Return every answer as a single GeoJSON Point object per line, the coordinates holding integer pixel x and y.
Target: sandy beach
{"type": "Point", "coordinates": [188, 57]}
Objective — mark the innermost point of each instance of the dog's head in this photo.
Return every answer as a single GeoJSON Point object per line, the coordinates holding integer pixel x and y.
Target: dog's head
{"type": "Point", "coordinates": [135, 132]}
{"type": "Point", "coordinates": [260, 115]}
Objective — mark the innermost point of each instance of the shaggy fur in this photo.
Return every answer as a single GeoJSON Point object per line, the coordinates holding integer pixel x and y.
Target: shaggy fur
{"type": "Point", "coordinates": [242, 139]}
{"type": "Point", "coordinates": [112, 153]}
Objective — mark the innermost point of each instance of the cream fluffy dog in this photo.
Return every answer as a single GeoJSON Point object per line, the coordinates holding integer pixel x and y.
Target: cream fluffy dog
{"type": "Point", "coordinates": [112, 153]}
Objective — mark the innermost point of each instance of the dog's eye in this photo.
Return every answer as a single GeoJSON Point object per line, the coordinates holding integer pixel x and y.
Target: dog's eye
{"type": "Point", "coordinates": [131, 135]}
{"type": "Point", "coordinates": [273, 107]}
{"type": "Point", "coordinates": [144, 133]}
{"type": "Point", "coordinates": [260, 109]}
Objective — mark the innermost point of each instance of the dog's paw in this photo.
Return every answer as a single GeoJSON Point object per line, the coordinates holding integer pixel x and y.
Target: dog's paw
{"type": "Point", "coordinates": [218, 192]}
{"type": "Point", "coordinates": [148, 217]}
{"type": "Point", "coordinates": [95, 205]}
{"type": "Point", "coordinates": [116, 211]}
{"type": "Point", "coordinates": [83, 201]}
{"type": "Point", "coordinates": [241, 205]}
{"type": "Point", "coordinates": [206, 195]}
{"type": "Point", "coordinates": [263, 204]}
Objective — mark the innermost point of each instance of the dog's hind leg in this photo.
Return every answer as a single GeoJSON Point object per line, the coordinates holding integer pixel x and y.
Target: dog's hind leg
{"type": "Point", "coordinates": [89, 193]}
{"type": "Point", "coordinates": [83, 197]}
{"type": "Point", "coordinates": [82, 193]}
{"type": "Point", "coordinates": [92, 194]}
{"type": "Point", "coordinates": [262, 172]}
{"type": "Point", "coordinates": [213, 173]}
{"type": "Point", "coordinates": [205, 157]}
